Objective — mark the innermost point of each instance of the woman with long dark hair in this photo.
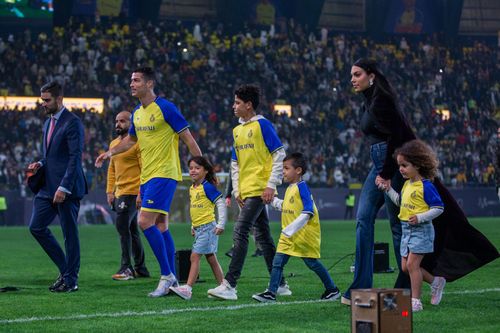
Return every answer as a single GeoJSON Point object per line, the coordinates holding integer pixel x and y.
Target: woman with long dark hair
{"type": "Point", "coordinates": [459, 248]}
{"type": "Point", "coordinates": [385, 128]}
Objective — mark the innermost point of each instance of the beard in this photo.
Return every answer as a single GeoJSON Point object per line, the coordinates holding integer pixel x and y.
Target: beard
{"type": "Point", "coordinates": [51, 111]}
{"type": "Point", "coordinates": [121, 131]}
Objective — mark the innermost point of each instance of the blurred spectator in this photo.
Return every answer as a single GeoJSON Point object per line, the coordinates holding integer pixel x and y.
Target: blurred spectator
{"type": "Point", "coordinates": [199, 69]}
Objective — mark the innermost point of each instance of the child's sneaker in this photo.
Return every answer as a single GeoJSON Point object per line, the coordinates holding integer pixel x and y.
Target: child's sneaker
{"type": "Point", "coordinates": [163, 286]}
{"type": "Point", "coordinates": [224, 291]}
{"type": "Point", "coordinates": [284, 290]}
{"type": "Point", "coordinates": [416, 305]}
{"type": "Point", "coordinates": [331, 294]}
{"type": "Point", "coordinates": [184, 291]}
{"type": "Point", "coordinates": [265, 297]}
{"type": "Point", "coordinates": [437, 288]}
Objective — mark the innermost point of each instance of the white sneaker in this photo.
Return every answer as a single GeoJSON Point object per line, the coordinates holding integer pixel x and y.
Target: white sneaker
{"type": "Point", "coordinates": [437, 288]}
{"type": "Point", "coordinates": [284, 290]}
{"type": "Point", "coordinates": [224, 291]}
{"type": "Point", "coordinates": [416, 305]}
{"type": "Point", "coordinates": [163, 286]}
{"type": "Point", "coordinates": [183, 291]}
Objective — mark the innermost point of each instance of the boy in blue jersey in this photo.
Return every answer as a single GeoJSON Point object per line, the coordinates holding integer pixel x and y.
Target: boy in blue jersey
{"type": "Point", "coordinates": [420, 203]}
{"type": "Point", "coordinates": [301, 233]}
{"type": "Point", "coordinates": [157, 125]}
{"type": "Point", "coordinates": [256, 170]}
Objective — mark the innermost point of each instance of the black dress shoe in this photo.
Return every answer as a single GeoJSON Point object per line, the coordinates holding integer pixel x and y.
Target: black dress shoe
{"type": "Point", "coordinates": [63, 288]}
{"type": "Point", "coordinates": [59, 281]}
{"type": "Point", "coordinates": [142, 272]}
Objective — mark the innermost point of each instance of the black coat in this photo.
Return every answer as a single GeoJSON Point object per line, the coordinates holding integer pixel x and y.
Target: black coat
{"type": "Point", "coordinates": [459, 248]}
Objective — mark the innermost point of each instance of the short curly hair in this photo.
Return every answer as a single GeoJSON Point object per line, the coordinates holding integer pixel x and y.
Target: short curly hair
{"type": "Point", "coordinates": [422, 156]}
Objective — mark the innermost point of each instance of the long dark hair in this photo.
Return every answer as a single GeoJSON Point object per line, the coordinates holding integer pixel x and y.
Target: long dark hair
{"type": "Point", "coordinates": [200, 160]}
{"type": "Point", "coordinates": [380, 84]}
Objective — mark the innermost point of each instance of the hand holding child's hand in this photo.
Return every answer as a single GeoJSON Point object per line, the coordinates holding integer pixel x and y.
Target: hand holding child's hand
{"type": "Point", "coordinates": [413, 220]}
{"type": "Point", "coordinates": [218, 231]}
{"type": "Point", "coordinates": [383, 184]}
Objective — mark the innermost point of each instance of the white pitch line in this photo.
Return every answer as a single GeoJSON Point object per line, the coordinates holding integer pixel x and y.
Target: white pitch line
{"type": "Point", "coordinates": [151, 313]}
{"type": "Point", "coordinates": [197, 309]}
{"type": "Point", "coordinates": [479, 291]}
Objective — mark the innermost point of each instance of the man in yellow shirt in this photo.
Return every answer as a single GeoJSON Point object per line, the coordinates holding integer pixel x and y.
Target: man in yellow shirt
{"type": "Point", "coordinates": [122, 194]}
{"type": "Point", "coordinates": [157, 125]}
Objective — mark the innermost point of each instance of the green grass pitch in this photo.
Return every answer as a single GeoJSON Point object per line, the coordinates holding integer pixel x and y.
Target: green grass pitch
{"type": "Point", "coordinates": [471, 304]}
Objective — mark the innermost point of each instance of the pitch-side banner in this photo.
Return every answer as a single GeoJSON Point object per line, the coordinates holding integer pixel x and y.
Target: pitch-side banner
{"type": "Point", "coordinates": [29, 103]}
{"type": "Point", "coordinates": [109, 7]}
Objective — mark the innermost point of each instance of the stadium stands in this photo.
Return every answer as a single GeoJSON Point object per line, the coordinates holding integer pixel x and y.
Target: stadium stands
{"type": "Point", "coordinates": [199, 73]}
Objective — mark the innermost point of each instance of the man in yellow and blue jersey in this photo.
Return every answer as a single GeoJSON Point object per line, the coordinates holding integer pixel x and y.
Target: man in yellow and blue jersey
{"type": "Point", "coordinates": [122, 191]}
{"type": "Point", "coordinates": [157, 125]}
{"type": "Point", "coordinates": [256, 170]}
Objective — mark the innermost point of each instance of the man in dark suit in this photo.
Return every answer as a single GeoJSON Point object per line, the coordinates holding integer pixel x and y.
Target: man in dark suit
{"type": "Point", "coordinates": [62, 188]}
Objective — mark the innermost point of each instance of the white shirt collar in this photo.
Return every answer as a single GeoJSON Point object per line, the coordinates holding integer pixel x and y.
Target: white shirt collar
{"type": "Point", "coordinates": [254, 118]}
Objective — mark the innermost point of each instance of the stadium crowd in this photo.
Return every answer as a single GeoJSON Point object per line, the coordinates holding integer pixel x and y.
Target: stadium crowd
{"type": "Point", "coordinates": [199, 69]}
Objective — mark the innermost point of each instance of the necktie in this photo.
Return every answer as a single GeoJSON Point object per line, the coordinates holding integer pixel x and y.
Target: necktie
{"type": "Point", "coordinates": [51, 129]}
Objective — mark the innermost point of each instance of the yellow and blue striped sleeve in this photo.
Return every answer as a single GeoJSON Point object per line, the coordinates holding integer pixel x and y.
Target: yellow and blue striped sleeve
{"type": "Point", "coordinates": [131, 130]}
{"type": "Point", "coordinates": [234, 157]}
{"type": "Point", "coordinates": [172, 115]}
{"type": "Point", "coordinates": [431, 196]}
{"type": "Point", "coordinates": [211, 191]}
{"type": "Point", "coordinates": [270, 136]}
{"type": "Point", "coordinates": [306, 197]}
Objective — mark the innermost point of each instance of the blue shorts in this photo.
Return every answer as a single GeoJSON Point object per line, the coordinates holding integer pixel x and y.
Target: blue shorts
{"type": "Point", "coordinates": [157, 195]}
{"type": "Point", "coordinates": [205, 239]}
{"type": "Point", "coordinates": [418, 239]}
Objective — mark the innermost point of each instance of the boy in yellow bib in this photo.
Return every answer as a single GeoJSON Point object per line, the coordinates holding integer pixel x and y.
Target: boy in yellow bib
{"type": "Point", "coordinates": [301, 234]}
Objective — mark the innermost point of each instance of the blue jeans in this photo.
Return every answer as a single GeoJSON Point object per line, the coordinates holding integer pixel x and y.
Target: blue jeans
{"type": "Point", "coordinates": [279, 262]}
{"type": "Point", "coordinates": [370, 202]}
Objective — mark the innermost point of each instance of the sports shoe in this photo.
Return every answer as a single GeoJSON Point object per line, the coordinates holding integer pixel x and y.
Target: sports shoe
{"type": "Point", "coordinates": [284, 290]}
{"type": "Point", "coordinates": [345, 301]}
{"type": "Point", "coordinates": [331, 294]}
{"type": "Point", "coordinates": [437, 288]}
{"type": "Point", "coordinates": [123, 275]}
{"type": "Point", "coordinates": [265, 297]}
{"type": "Point", "coordinates": [57, 283]}
{"type": "Point", "coordinates": [416, 305]}
{"type": "Point", "coordinates": [184, 291]}
{"type": "Point", "coordinates": [224, 291]}
{"type": "Point", "coordinates": [163, 286]}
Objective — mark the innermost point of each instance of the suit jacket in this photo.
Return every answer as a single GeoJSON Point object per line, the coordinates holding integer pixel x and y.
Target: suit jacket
{"type": "Point", "coordinates": [62, 157]}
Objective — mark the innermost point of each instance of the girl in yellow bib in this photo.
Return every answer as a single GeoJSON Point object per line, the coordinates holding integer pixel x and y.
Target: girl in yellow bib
{"type": "Point", "coordinates": [301, 233]}
{"type": "Point", "coordinates": [204, 196]}
{"type": "Point", "coordinates": [419, 203]}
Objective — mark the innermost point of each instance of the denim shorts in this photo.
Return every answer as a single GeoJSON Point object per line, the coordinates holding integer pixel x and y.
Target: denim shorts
{"type": "Point", "coordinates": [418, 239]}
{"type": "Point", "coordinates": [205, 239]}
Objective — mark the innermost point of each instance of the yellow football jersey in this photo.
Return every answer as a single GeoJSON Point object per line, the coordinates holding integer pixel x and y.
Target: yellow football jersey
{"type": "Point", "coordinates": [307, 241]}
{"type": "Point", "coordinates": [254, 143]}
{"type": "Point", "coordinates": [202, 207]}
{"type": "Point", "coordinates": [157, 129]}
{"type": "Point", "coordinates": [417, 197]}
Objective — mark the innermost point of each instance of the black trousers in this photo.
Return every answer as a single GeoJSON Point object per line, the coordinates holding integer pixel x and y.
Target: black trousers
{"type": "Point", "coordinates": [127, 227]}
{"type": "Point", "coordinates": [253, 213]}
